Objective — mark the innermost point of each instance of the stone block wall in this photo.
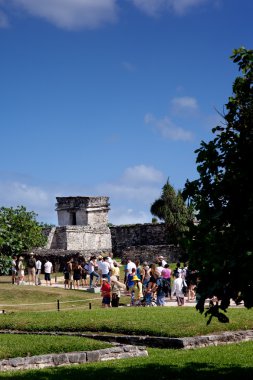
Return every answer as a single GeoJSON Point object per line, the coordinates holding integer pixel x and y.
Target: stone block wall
{"type": "Point", "coordinates": [138, 241]}
{"type": "Point", "coordinates": [56, 360]}
{"type": "Point", "coordinates": [150, 253]}
{"type": "Point", "coordinates": [137, 235]}
{"type": "Point", "coordinates": [79, 238]}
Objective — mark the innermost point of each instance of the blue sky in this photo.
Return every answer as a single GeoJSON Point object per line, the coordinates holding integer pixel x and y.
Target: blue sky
{"type": "Point", "coordinates": [111, 97]}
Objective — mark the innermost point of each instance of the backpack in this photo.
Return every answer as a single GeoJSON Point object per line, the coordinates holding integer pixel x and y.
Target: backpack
{"type": "Point", "coordinates": [163, 285]}
{"type": "Point", "coordinates": [31, 263]}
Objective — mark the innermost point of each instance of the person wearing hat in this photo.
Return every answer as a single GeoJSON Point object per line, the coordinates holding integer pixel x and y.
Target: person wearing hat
{"type": "Point", "coordinates": [116, 287]}
{"type": "Point", "coordinates": [106, 293]}
{"type": "Point", "coordinates": [137, 290]}
{"type": "Point", "coordinates": [116, 270]}
{"type": "Point", "coordinates": [21, 270]}
{"type": "Point", "coordinates": [31, 268]}
{"type": "Point", "coordinates": [162, 260]}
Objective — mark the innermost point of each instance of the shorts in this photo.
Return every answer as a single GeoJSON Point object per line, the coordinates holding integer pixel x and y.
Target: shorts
{"type": "Point", "coordinates": [31, 271]}
{"type": "Point", "coordinates": [106, 300]}
{"type": "Point", "coordinates": [47, 277]}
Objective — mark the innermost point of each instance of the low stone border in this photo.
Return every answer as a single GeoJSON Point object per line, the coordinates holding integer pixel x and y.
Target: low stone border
{"type": "Point", "coordinates": [178, 343]}
{"type": "Point", "coordinates": [55, 360]}
{"type": "Point", "coordinates": [155, 341]}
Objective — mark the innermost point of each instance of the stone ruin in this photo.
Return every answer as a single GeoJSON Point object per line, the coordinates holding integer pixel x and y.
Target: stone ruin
{"type": "Point", "coordinates": [83, 224]}
{"type": "Point", "coordinates": [83, 231]}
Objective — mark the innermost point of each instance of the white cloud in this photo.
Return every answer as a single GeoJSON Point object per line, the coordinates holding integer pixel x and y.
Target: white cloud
{"type": "Point", "coordinates": [157, 7]}
{"type": "Point", "coordinates": [182, 6]}
{"type": "Point", "coordinates": [122, 215]}
{"type": "Point", "coordinates": [70, 14]}
{"type": "Point", "coordinates": [77, 14]}
{"type": "Point", "coordinates": [141, 193]}
{"type": "Point", "coordinates": [131, 195]}
{"type": "Point", "coordinates": [34, 198]}
{"type": "Point", "coordinates": [184, 103]}
{"type": "Point", "coordinates": [142, 174]}
{"type": "Point", "coordinates": [167, 129]}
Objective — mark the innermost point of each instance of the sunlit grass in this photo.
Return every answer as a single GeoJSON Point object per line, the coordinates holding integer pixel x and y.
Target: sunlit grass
{"type": "Point", "coordinates": [221, 362]}
{"type": "Point", "coordinates": [16, 345]}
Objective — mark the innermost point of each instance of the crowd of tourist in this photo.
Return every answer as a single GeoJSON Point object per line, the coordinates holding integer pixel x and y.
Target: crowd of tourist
{"type": "Point", "coordinates": [33, 267]}
{"type": "Point", "coordinates": [147, 284]}
{"type": "Point", "coordinates": [151, 284]}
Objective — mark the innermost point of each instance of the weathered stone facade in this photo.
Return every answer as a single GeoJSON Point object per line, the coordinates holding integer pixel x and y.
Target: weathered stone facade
{"type": "Point", "coordinates": [80, 238]}
{"type": "Point", "coordinates": [83, 224]}
{"type": "Point", "coordinates": [148, 234]}
{"type": "Point", "coordinates": [83, 230]}
{"type": "Point", "coordinates": [82, 211]}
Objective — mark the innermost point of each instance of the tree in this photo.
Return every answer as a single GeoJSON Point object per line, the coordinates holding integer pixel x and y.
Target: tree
{"type": "Point", "coordinates": [221, 248]}
{"type": "Point", "coordinates": [19, 231]}
{"type": "Point", "coordinates": [170, 208]}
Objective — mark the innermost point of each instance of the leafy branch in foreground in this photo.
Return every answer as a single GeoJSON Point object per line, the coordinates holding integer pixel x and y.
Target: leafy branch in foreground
{"type": "Point", "coordinates": [221, 244]}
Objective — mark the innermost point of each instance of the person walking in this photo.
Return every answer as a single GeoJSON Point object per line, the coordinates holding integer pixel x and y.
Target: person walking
{"type": "Point", "coordinates": [13, 270]}
{"type": "Point", "coordinates": [38, 266]}
{"type": "Point", "coordinates": [178, 289]}
{"type": "Point", "coordinates": [106, 293]}
{"type": "Point", "coordinates": [128, 268]}
{"type": "Point", "coordinates": [137, 290]}
{"type": "Point", "coordinates": [166, 275]}
{"type": "Point", "coordinates": [105, 268]}
{"type": "Point", "coordinates": [77, 272]}
{"type": "Point", "coordinates": [48, 266]}
{"type": "Point", "coordinates": [31, 268]}
{"type": "Point", "coordinates": [116, 288]}
{"type": "Point", "coordinates": [161, 289]}
{"type": "Point", "coordinates": [21, 271]}
{"type": "Point", "coordinates": [92, 272]}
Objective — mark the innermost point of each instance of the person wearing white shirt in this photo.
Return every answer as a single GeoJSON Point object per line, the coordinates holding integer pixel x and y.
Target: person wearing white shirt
{"type": "Point", "coordinates": [48, 266]}
{"type": "Point", "coordinates": [38, 272]}
{"type": "Point", "coordinates": [105, 268]}
{"type": "Point", "coordinates": [130, 266]}
{"type": "Point", "coordinates": [160, 267]}
{"type": "Point", "coordinates": [177, 289]}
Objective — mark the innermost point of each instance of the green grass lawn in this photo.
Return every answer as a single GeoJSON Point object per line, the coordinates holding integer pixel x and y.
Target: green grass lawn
{"type": "Point", "coordinates": [42, 298]}
{"type": "Point", "coordinates": [222, 362]}
{"type": "Point", "coordinates": [230, 361]}
{"type": "Point", "coordinates": [167, 321]}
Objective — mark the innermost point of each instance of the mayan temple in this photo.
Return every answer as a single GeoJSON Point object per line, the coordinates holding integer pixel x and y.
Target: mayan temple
{"type": "Point", "coordinates": [82, 224]}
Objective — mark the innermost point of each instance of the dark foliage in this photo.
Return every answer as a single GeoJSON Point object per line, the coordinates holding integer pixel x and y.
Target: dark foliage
{"type": "Point", "coordinates": [221, 244]}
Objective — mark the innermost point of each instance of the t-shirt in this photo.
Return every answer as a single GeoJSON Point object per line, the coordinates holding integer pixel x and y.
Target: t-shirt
{"type": "Point", "coordinates": [130, 266]}
{"type": "Point", "coordinates": [105, 267]}
{"type": "Point", "coordinates": [166, 273]}
{"type": "Point", "coordinates": [91, 266]}
{"type": "Point", "coordinates": [130, 282]}
{"type": "Point", "coordinates": [105, 289]}
{"type": "Point", "coordinates": [48, 267]}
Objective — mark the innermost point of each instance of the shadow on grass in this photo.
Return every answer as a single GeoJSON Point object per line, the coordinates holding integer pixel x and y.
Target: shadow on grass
{"type": "Point", "coordinates": [149, 371]}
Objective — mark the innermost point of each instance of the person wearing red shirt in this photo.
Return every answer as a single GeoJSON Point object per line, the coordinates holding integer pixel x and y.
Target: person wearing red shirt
{"type": "Point", "coordinates": [106, 293]}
